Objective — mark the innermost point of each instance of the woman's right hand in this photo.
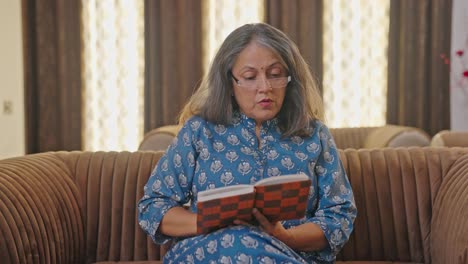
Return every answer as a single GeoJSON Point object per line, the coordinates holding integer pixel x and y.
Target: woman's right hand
{"type": "Point", "coordinates": [179, 222]}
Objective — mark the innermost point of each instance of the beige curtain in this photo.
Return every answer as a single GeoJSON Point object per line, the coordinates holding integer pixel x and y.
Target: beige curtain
{"type": "Point", "coordinates": [355, 44]}
{"type": "Point", "coordinates": [221, 17]}
{"type": "Point", "coordinates": [173, 58]}
{"type": "Point", "coordinates": [418, 80]}
{"type": "Point", "coordinates": [113, 74]}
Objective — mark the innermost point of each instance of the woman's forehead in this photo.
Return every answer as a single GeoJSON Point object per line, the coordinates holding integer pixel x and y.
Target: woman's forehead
{"type": "Point", "coordinates": [256, 56]}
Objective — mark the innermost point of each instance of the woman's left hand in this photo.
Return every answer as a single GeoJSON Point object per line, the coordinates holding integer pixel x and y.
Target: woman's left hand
{"type": "Point", "coordinates": [305, 237]}
{"type": "Point", "coordinates": [275, 229]}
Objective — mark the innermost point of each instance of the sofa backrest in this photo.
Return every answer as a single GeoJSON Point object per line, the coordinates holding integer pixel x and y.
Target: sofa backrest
{"type": "Point", "coordinates": [110, 185]}
{"type": "Point", "coordinates": [74, 207]}
{"type": "Point", "coordinates": [396, 136]}
{"type": "Point", "coordinates": [351, 137]}
{"type": "Point", "coordinates": [346, 137]}
{"type": "Point", "coordinates": [41, 220]}
{"type": "Point", "coordinates": [379, 137]}
{"type": "Point", "coordinates": [395, 191]}
{"type": "Point", "coordinates": [159, 138]}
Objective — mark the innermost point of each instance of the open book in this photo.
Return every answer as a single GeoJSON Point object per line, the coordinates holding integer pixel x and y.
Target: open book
{"type": "Point", "coordinates": [278, 198]}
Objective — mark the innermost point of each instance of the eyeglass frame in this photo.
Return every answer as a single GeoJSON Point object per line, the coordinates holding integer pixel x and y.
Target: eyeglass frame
{"type": "Point", "coordinates": [237, 81]}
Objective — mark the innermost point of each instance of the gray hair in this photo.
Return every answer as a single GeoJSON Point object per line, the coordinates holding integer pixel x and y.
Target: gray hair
{"type": "Point", "coordinates": [213, 99]}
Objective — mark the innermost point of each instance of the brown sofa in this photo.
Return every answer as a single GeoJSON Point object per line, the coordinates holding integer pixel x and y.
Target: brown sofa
{"type": "Point", "coordinates": [349, 137]}
{"type": "Point", "coordinates": [80, 207]}
{"type": "Point", "coordinates": [450, 138]}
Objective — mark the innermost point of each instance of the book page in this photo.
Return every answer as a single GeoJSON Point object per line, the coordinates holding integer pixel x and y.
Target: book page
{"type": "Point", "coordinates": [282, 179]}
{"type": "Point", "coordinates": [227, 191]}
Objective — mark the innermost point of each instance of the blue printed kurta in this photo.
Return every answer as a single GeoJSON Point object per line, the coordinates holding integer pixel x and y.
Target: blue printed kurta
{"type": "Point", "coordinates": [205, 155]}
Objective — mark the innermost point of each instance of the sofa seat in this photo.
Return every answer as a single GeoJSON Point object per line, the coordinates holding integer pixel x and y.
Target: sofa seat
{"type": "Point", "coordinates": [338, 262]}
{"type": "Point", "coordinates": [130, 262]}
{"type": "Point", "coordinates": [375, 262]}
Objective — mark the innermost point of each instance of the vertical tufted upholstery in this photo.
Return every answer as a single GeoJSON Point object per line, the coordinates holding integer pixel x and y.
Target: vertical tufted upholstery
{"type": "Point", "coordinates": [40, 219]}
{"type": "Point", "coordinates": [397, 192]}
{"type": "Point", "coordinates": [110, 185]}
{"type": "Point", "coordinates": [449, 238]}
{"type": "Point", "coordinates": [74, 207]}
{"type": "Point", "coordinates": [80, 207]}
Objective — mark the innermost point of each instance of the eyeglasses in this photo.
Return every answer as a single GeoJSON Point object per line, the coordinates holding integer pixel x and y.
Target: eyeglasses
{"type": "Point", "coordinates": [279, 82]}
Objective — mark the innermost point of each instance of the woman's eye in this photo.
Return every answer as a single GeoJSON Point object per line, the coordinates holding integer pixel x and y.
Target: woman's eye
{"type": "Point", "coordinates": [250, 78]}
{"type": "Point", "coordinates": [272, 76]}
{"type": "Point", "coordinates": [275, 74]}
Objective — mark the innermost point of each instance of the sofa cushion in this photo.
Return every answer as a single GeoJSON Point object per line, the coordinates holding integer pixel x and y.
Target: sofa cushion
{"type": "Point", "coordinates": [450, 216]}
{"type": "Point", "coordinates": [338, 262]}
{"type": "Point", "coordinates": [396, 136]}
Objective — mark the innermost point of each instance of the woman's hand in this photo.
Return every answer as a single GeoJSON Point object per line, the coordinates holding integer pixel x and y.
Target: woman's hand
{"type": "Point", "coordinates": [305, 237]}
{"type": "Point", "coordinates": [275, 229]}
{"type": "Point", "coordinates": [178, 222]}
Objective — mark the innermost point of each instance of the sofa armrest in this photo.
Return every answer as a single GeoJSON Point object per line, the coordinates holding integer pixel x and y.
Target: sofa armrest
{"type": "Point", "coordinates": [449, 227]}
{"type": "Point", "coordinates": [351, 137]}
{"type": "Point", "coordinates": [159, 138]}
{"type": "Point", "coordinates": [396, 136]}
{"type": "Point", "coordinates": [40, 219]}
{"type": "Point", "coordinates": [449, 138]}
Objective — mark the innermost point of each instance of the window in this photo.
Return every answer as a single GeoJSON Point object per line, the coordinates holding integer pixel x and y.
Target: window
{"type": "Point", "coordinates": [222, 17]}
{"type": "Point", "coordinates": [355, 62]}
{"type": "Point", "coordinates": [113, 75]}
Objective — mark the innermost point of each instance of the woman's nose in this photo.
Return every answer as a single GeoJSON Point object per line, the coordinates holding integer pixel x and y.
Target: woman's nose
{"type": "Point", "coordinates": [263, 84]}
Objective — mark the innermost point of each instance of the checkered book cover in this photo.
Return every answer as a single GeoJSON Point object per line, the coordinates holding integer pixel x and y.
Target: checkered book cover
{"type": "Point", "coordinates": [283, 201]}
{"type": "Point", "coordinates": [221, 212]}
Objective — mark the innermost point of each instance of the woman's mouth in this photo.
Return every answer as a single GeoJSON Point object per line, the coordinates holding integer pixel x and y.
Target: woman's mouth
{"type": "Point", "coordinates": [265, 102]}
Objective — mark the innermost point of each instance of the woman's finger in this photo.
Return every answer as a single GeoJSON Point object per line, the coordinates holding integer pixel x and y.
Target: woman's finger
{"type": "Point", "coordinates": [241, 222]}
{"type": "Point", "coordinates": [262, 220]}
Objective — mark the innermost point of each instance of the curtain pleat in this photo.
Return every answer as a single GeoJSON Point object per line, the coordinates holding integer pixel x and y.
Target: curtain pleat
{"type": "Point", "coordinates": [418, 80]}
{"type": "Point", "coordinates": [52, 74]}
{"type": "Point", "coordinates": [173, 58]}
{"type": "Point", "coordinates": [301, 20]}
{"type": "Point", "coordinates": [418, 86]}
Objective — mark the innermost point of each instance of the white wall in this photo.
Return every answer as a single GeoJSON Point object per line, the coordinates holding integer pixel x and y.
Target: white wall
{"type": "Point", "coordinates": [458, 83]}
{"type": "Point", "coordinates": [12, 138]}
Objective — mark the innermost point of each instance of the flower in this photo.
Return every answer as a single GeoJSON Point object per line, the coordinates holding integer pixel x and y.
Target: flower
{"type": "Point", "coordinates": [458, 67]}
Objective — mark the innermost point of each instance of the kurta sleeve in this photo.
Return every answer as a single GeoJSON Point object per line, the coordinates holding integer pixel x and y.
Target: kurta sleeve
{"type": "Point", "coordinates": [336, 209]}
{"type": "Point", "coordinates": [169, 184]}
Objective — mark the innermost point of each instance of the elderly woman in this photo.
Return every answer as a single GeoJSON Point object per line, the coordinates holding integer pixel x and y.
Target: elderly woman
{"type": "Point", "coordinates": [257, 114]}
